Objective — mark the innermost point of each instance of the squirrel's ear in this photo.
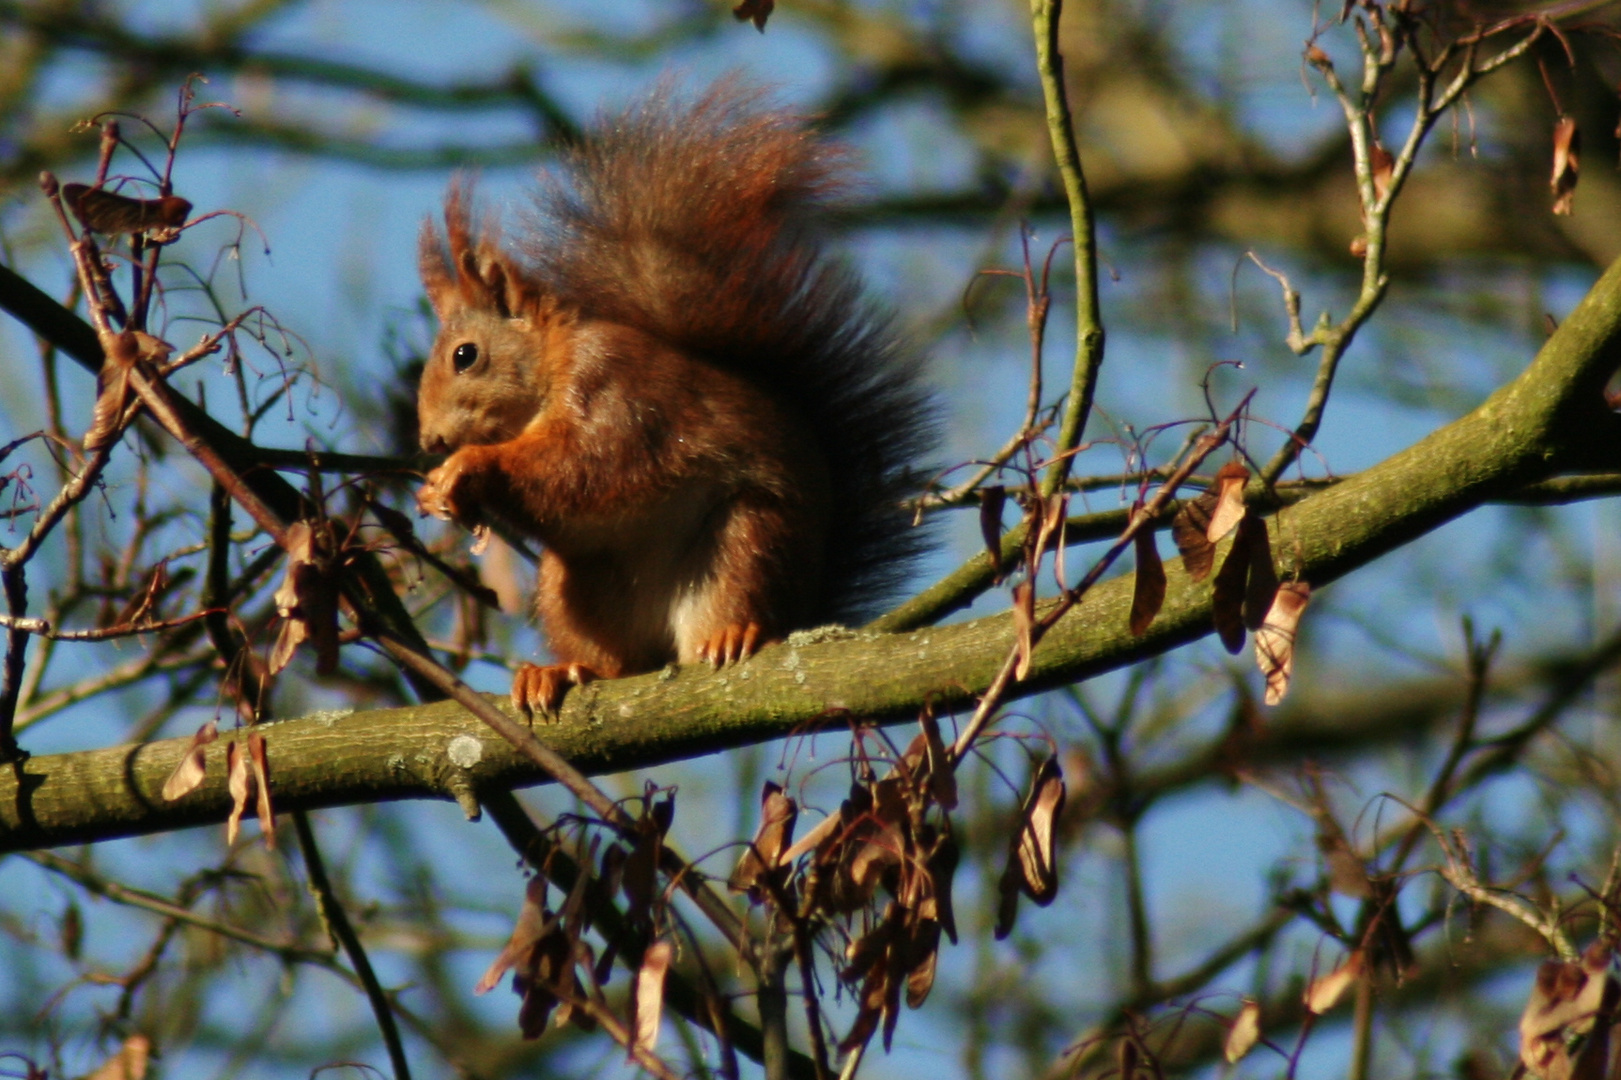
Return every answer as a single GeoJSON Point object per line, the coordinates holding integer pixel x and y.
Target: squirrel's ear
{"type": "Point", "coordinates": [506, 289]}
{"type": "Point", "coordinates": [471, 272]}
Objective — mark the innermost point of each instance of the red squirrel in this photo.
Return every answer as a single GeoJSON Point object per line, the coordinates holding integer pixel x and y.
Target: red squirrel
{"type": "Point", "coordinates": [702, 420]}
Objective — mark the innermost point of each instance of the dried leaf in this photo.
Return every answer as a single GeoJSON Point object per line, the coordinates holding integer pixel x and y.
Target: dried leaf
{"type": "Point", "coordinates": [192, 767]}
{"type": "Point", "coordinates": [307, 601]}
{"type": "Point", "coordinates": [1245, 1032]}
{"type": "Point", "coordinates": [811, 840]}
{"type": "Point", "coordinates": [1227, 599]}
{"type": "Point", "coordinates": [1565, 1001]}
{"type": "Point", "coordinates": [778, 813]}
{"type": "Point", "coordinates": [245, 774]}
{"type": "Point", "coordinates": [1275, 640]}
{"type": "Point", "coordinates": [649, 1001]}
{"type": "Point", "coordinates": [942, 867]}
{"type": "Point", "coordinates": [121, 352]}
{"type": "Point", "coordinates": [261, 780]}
{"type": "Point", "coordinates": [532, 918]}
{"type": "Point", "coordinates": [1263, 580]}
{"type": "Point", "coordinates": [755, 11]}
{"type": "Point", "coordinates": [1031, 851]}
{"type": "Point", "coordinates": [547, 969]}
{"type": "Point", "coordinates": [1051, 528]}
{"type": "Point", "coordinates": [1188, 530]}
{"type": "Point", "coordinates": [1229, 509]}
{"type": "Point", "coordinates": [110, 214]}
{"type": "Point", "coordinates": [1148, 589]}
{"type": "Point", "coordinates": [1325, 992]}
{"type": "Point", "coordinates": [1383, 167]}
{"type": "Point", "coordinates": [239, 782]}
{"type": "Point", "coordinates": [991, 502]}
{"type": "Point", "coordinates": [128, 1064]}
{"type": "Point", "coordinates": [923, 953]}
{"type": "Point", "coordinates": [942, 777]}
{"type": "Point", "coordinates": [1567, 151]}
{"type": "Point", "coordinates": [1317, 57]}
{"type": "Point", "coordinates": [1024, 624]}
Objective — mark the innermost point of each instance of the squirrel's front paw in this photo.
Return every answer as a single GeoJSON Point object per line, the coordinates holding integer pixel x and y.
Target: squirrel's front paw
{"type": "Point", "coordinates": [444, 493]}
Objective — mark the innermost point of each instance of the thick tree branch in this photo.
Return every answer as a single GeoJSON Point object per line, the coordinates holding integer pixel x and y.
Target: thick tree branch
{"type": "Point", "coordinates": [1552, 418]}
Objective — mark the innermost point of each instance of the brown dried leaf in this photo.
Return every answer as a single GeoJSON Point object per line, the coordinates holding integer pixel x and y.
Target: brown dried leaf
{"type": "Point", "coordinates": [307, 601]}
{"type": "Point", "coordinates": [1383, 167]}
{"type": "Point", "coordinates": [1229, 509]}
{"type": "Point", "coordinates": [526, 932]}
{"type": "Point", "coordinates": [1024, 624]}
{"type": "Point", "coordinates": [649, 1000]}
{"type": "Point", "coordinates": [942, 777]}
{"type": "Point", "coordinates": [1275, 640]}
{"type": "Point", "coordinates": [1050, 530]}
{"type": "Point", "coordinates": [755, 11]}
{"type": "Point", "coordinates": [1227, 600]}
{"type": "Point", "coordinates": [778, 813]}
{"type": "Point", "coordinates": [1188, 529]}
{"type": "Point", "coordinates": [1032, 848]}
{"type": "Point", "coordinates": [884, 844]}
{"type": "Point", "coordinates": [991, 502]}
{"type": "Point", "coordinates": [121, 352]}
{"type": "Point", "coordinates": [1148, 589]}
{"type": "Point", "coordinates": [192, 767]}
{"type": "Point", "coordinates": [1565, 1001]}
{"type": "Point", "coordinates": [109, 214]}
{"type": "Point", "coordinates": [942, 867]}
{"type": "Point", "coordinates": [239, 782]}
{"type": "Point", "coordinates": [128, 1064]}
{"type": "Point", "coordinates": [923, 953]}
{"type": "Point", "coordinates": [1567, 151]}
{"type": "Point", "coordinates": [1263, 580]}
{"type": "Point", "coordinates": [261, 780]}
{"type": "Point", "coordinates": [1325, 992]}
{"type": "Point", "coordinates": [1245, 1032]}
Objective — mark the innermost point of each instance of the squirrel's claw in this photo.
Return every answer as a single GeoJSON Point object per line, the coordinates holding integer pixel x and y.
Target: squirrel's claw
{"type": "Point", "coordinates": [538, 689]}
{"type": "Point", "coordinates": [731, 645]}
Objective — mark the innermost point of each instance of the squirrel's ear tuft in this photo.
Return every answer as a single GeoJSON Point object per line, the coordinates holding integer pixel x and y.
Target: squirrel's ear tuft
{"type": "Point", "coordinates": [443, 263]}
{"type": "Point", "coordinates": [437, 279]}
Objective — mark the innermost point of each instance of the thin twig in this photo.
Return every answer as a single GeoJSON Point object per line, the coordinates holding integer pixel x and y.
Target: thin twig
{"type": "Point", "coordinates": [343, 934]}
{"type": "Point", "coordinates": [1046, 15]}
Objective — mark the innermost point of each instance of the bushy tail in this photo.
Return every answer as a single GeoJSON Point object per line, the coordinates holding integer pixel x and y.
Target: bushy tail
{"type": "Point", "coordinates": [694, 222]}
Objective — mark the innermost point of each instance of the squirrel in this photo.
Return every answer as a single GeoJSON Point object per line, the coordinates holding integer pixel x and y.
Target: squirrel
{"type": "Point", "coordinates": [701, 419]}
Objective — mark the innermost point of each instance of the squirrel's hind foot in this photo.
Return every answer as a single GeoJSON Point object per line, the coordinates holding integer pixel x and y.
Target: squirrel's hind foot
{"type": "Point", "coordinates": [733, 644]}
{"type": "Point", "coordinates": [538, 689]}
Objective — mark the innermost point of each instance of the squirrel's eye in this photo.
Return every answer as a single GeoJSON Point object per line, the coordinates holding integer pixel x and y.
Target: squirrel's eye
{"type": "Point", "coordinates": [465, 356]}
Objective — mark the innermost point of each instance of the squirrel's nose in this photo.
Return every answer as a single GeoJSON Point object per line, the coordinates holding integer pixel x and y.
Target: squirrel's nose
{"type": "Point", "coordinates": [434, 444]}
